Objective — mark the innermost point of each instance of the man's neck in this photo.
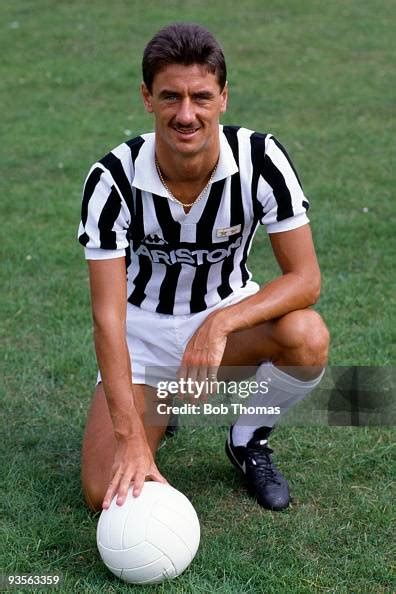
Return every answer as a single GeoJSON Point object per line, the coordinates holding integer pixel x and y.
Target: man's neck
{"type": "Point", "coordinates": [183, 169]}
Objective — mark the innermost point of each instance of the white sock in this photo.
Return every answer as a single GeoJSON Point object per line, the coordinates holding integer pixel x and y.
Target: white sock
{"type": "Point", "coordinates": [284, 391]}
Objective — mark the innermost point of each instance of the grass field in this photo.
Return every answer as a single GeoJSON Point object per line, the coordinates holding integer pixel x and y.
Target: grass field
{"type": "Point", "coordinates": [321, 77]}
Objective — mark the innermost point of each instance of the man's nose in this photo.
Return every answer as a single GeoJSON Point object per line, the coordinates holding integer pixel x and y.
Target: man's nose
{"type": "Point", "coordinates": [185, 115]}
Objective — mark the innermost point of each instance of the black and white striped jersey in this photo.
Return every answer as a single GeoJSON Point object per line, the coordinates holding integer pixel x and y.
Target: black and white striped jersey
{"type": "Point", "coordinates": [181, 263]}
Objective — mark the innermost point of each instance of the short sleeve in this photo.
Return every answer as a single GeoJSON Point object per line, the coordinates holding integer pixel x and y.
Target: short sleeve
{"type": "Point", "coordinates": [105, 217]}
{"type": "Point", "coordinates": [282, 204]}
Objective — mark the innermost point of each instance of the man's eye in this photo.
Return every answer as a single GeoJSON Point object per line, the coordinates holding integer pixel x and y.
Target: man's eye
{"type": "Point", "coordinates": [170, 98]}
{"type": "Point", "coordinates": [203, 99]}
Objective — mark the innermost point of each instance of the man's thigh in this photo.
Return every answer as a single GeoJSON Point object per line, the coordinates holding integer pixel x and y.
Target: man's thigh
{"type": "Point", "coordinates": [283, 340]}
{"type": "Point", "coordinates": [247, 349]}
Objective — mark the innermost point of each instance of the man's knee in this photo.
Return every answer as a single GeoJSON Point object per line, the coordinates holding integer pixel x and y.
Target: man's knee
{"type": "Point", "coordinates": [93, 495]}
{"type": "Point", "coordinates": [305, 337]}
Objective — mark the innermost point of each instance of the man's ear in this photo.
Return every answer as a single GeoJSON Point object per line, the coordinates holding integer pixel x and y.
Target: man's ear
{"type": "Point", "coordinates": [224, 98]}
{"type": "Point", "coordinates": [146, 98]}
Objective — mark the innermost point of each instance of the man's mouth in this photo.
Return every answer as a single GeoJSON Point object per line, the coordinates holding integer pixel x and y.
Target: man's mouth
{"type": "Point", "coordinates": [185, 131]}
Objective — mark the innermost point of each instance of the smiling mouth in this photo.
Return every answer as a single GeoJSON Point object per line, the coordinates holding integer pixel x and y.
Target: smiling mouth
{"type": "Point", "coordinates": [186, 131]}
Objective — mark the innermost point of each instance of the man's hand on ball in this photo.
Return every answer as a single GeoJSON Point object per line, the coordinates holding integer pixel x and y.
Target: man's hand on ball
{"type": "Point", "coordinates": [133, 463]}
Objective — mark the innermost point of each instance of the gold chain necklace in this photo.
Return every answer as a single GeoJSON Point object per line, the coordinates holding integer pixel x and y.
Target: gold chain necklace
{"type": "Point", "coordinates": [173, 198]}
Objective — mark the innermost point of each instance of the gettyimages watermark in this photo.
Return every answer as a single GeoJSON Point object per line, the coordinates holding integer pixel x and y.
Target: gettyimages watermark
{"type": "Point", "coordinates": [345, 396]}
{"type": "Point", "coordinates": [199, 390]}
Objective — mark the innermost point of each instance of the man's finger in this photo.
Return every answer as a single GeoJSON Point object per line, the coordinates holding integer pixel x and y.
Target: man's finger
{"type": "Point", "coordinates": [157, 476]}
{"type": "Point", "coordinates": [192, 372]}
{"type": "Point", "coordinates": [182, 375]}
{"type": "Point", "coordinates": [202, 383]}
{"type": "Point", "coordinates": [212, 379]}
{"type": "Point", "coordinates": [138, 482]}
{"type": "Point", "coordinates": [123, 489]}
{"type": "Point", "coordinates": [111, 491]}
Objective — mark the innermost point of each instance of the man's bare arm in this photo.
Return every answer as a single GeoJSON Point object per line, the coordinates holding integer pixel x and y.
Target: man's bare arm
{"type": "Point", "coordinates": [297, 288]}
{"type": "Point", "coordinates": [109, 301]}
{"type": "Point", "coordinates": [133, 459]}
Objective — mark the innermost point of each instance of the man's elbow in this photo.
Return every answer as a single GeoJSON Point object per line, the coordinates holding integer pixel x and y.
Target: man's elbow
{"type": "Point", "coordinates": [313, 290]}
{"type": "Point", "coordinates": [107, 323]}
{"type": "Point", "coordinates": [309, 287]}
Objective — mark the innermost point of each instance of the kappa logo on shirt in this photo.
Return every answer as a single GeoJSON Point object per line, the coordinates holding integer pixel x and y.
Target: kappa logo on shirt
{"type": "Point", "coordinates": [154, 239]}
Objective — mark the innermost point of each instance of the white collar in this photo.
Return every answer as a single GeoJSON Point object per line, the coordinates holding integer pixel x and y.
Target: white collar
{"type": "Point", "coordinates": [146, 176]}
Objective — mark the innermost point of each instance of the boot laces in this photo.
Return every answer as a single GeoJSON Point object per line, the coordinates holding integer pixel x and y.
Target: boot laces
{"type": "Point", "coordinates": [259, 455]}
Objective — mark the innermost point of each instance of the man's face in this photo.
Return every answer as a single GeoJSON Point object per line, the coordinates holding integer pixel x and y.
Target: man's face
{"type": "Point", "coordinates": [186, 102]}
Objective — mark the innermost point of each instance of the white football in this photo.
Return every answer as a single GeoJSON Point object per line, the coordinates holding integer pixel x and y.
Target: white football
{"type": "Point", "coordinates": [150, 538]}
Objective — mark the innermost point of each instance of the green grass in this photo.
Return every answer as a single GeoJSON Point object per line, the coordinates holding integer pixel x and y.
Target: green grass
{"type": "Point", "coordinates": [321, 77]}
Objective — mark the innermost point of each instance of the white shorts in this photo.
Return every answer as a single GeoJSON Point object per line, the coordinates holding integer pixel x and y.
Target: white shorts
{"type": "Point", "coordinates": [156, 341]}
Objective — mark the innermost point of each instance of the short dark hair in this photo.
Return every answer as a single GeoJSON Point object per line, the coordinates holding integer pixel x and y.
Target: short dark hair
{"type": "Point", "coordinates": [183, 43]}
